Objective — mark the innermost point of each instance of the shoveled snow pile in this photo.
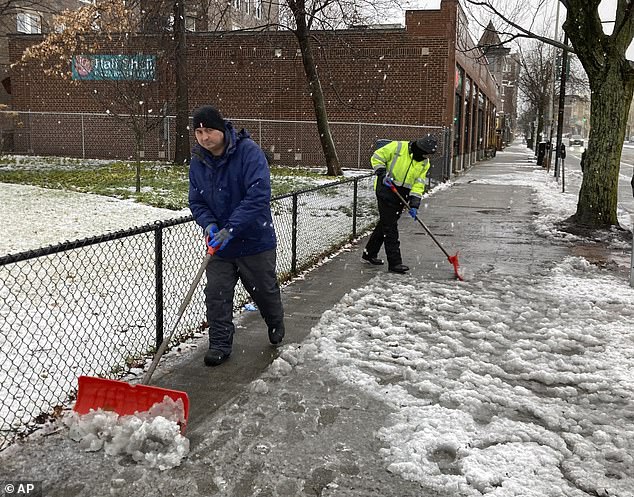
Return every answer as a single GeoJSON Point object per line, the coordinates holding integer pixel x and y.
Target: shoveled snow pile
{"type": "Point", "coordinates": [151, 437]}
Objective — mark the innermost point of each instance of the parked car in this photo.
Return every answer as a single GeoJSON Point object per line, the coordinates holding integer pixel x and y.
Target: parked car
{"type": "Point", "coordinates": [575, 141]}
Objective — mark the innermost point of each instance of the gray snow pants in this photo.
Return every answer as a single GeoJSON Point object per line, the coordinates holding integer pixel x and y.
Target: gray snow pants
{"type": "Point", "coordinates": [257, 274]}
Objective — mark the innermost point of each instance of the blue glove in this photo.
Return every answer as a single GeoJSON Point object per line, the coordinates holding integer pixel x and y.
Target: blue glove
{"type": "Point", "coordinates": [219, 239]}
{"type": "Point", "coordinates": [211, 228]}
{"type": "Point", "coordinates": [412, 212]}
{"type": "Point", "coordinates": [388, 182]}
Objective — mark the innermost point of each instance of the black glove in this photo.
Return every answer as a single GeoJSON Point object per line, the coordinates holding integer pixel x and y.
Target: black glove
{"type": "Point", "coordinates": [379, 171]}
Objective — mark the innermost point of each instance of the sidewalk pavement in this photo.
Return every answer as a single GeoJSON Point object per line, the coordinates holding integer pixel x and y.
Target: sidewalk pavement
{"type": "Point", "coordinates": [310, 434]}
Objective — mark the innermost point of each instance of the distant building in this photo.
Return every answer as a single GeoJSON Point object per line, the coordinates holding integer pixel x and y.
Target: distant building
{"type": "Point", "coordinates": [376, 81]}
{"type": "Point", "coordinates": [577, 115]}
{"type": "Point", "coordinates": [27, 17]}
{"type": "Point", "coordinates": [213, 15]}
{"type": "Point", "coordinates": [505, 68]}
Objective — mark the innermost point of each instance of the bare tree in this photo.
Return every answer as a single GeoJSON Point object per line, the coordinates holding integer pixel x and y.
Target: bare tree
{"type": "Point", "coordinates": [124, 86]}
{"type": "Point", "coordinates": [303, 16]}
{"type": "Point", "coordinates": [611, 79]}
{"type": "Point", "coordinates": [536, 80]}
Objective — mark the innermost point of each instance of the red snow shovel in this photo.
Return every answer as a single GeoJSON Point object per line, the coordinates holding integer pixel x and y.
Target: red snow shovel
{"type": "Point", "coordinates": [124, 398]}
{"type": "Point", "coordinates": [453, 259]}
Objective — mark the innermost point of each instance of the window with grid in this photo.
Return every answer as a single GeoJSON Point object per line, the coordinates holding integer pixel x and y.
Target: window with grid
{"type": "Point", "coordinates": [29, 22]}
{"type": "Point", "coordinates": [190, 24]}
{"type": "Point", "coordinates": [257, 9]}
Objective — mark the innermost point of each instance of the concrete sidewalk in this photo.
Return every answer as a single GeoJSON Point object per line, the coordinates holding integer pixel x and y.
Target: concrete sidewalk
{"type": "Point", "coordinates": [310, 435]}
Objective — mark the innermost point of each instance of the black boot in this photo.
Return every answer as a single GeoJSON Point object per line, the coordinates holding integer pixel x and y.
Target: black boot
{"type": "Point", "coordinates": [215, 357]}
{"type": "Point", "coordinates": [375, 261]}
{"type": "Point", "coordinates": [276, 334]}
{"type": "Point", "coordinates": [399, 268]}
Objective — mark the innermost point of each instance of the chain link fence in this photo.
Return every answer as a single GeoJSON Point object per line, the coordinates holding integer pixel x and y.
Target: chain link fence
{"type": "Point", "coordinates": [288, 143]}
{"type": "Point", "coordinates": [99, 306]}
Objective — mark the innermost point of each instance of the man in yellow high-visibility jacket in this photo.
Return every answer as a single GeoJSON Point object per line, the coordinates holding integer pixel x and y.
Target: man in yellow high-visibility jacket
{"type": "Point", "coordinates": [404, 165]}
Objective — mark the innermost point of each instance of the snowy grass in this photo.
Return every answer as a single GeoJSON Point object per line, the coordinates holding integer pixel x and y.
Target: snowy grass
{"type": "Point", "coordinates": [91, 310]}
{"type": "Point", "coordinates": [163, 184]}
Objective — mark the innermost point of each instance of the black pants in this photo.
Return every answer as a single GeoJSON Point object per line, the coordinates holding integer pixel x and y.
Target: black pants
{"type": "Point", "coordinates": [257, 274]}
{"type": "Point", "coordinates": [386, 231]}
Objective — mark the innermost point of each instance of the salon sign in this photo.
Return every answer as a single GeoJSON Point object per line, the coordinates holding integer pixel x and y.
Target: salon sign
{"type": "Point", "coordinates": [114, 67]}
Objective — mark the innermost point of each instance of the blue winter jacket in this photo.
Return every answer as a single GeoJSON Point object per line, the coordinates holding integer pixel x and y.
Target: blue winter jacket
{"type": "Point", "coordinates": [234, 191]}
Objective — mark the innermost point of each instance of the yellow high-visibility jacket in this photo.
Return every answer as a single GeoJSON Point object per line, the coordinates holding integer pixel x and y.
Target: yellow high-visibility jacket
{"type": "Point", "coordinates": [401, 167]}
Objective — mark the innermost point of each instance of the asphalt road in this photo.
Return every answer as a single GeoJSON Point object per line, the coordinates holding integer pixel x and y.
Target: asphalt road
{"type": "Point", "coordinates": [572, 174]}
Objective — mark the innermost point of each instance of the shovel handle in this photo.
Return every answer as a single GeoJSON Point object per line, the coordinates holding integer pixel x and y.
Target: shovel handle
{"type": "Point", "coordinates": [163, 347]}
{"type": "Point", "coordinates": [406, 203]}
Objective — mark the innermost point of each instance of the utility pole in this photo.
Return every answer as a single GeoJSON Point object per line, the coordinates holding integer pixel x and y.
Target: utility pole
{"type": "Point", "coordinates": [551, 103]}
{"type": "Point", "coordinates": [562, 102]}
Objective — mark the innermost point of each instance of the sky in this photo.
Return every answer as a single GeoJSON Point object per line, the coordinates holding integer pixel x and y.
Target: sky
{"type": "Point", "coordinates": [509, 385]}
{"type": "Point", "coordinates": [607, 10]}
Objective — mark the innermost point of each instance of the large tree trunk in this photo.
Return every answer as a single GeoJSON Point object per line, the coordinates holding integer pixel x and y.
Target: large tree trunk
{"type": "Point", "coordinates": [317, 95]}
{"type": "Point", "coordinates": [598, 197]}
{"type": "Point", "coordinates": [611, 78]}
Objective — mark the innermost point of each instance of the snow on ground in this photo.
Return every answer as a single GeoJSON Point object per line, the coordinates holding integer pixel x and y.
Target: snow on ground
{"type": "Point", "coordinates": [33, 217]}
{"type": "Point", "coordinates": [508, 385]}
{"type": "Point", "coordinates": [151, 437]}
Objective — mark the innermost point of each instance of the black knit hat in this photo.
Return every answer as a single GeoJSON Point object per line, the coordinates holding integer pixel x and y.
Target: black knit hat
{"type": "Point", "coordinates": [208, 117]}
{"type": "Point", "coordinates": [426, 145]}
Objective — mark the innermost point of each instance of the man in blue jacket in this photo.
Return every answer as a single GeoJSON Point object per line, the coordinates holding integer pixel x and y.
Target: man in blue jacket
{"type": "Point", "coordinates": [230, 198]}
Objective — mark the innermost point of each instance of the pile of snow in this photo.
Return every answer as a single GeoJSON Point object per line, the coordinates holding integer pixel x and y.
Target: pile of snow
{"type": "Point", "coordinates": [511, 386]}
{"type": "Point", "coordinates": [151, 437]}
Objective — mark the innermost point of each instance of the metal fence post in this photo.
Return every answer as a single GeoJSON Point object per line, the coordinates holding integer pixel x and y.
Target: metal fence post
{"type": "Point", "coordinates": [294, 236]}
{"type": "Point", "coordinates": [158, 277]}
{"type": "Point", "coordinates": [358, 150]}
{"type": "Point", "coordinates": [169, 134]}
{"type": "Point", "coordinates": [83, 139]}
{"type": "Point", "coordinates": [632, 264]}
{"type": "Point", "coordinates": [355, 198]}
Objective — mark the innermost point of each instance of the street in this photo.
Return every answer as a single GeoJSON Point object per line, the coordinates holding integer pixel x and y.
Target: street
{"type": "Point", "coordinates": [572, 175]}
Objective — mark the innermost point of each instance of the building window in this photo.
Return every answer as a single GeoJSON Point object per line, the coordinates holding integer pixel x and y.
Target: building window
{"type": "Point", "coordinates": [236, 4]}
{"type": "Point", "coordinates": [29, 23]}
{"type": "Point", "coordinates": [247, 6]}
{"type": "Point", "coordinates": [190, 24]}
{"type": "Point", "coordinates": [91, 2]}
{"type": "Point", "coordinates": [257, 9]}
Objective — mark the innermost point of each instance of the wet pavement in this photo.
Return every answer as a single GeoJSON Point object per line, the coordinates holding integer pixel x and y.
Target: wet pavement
{"type": "Point", "coordinates": [258, 431]}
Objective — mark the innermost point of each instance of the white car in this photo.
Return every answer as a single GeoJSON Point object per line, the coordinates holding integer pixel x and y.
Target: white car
{"type": "Point", "coordinates": [575, 141]}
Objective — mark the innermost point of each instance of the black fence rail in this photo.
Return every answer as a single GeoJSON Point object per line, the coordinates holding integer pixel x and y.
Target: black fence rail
{"type": "Point", "coordinates": [98, 306]}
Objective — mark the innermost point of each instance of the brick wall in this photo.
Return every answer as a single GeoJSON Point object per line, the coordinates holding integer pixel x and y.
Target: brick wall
{"type": "Point", "coordinates": [374, 76]}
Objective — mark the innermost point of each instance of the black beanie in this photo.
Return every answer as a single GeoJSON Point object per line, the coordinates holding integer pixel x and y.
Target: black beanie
{"type": "Point", "coordinates": [208, 117]}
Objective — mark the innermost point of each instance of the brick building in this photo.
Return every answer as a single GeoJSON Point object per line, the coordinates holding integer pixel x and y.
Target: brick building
{"type": "Point", "coordinates": [428, 73]}
{"type": "Point", "coordinates": [29, 17]}
{"type": "Point", "coordinates": [505, 68]}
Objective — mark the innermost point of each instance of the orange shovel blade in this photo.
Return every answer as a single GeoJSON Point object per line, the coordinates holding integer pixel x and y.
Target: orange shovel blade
{"type": "Point", "coordinates": [122, 398]}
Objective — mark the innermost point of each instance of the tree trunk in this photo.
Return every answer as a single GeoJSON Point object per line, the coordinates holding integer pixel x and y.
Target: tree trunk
{"type": "Point", "coordinates": [611, 96]}
{"type": "Point", "coordinates": [181, 151]}
{"type": "Point", "coordinates": [138, 138]}
{"type": "Point", "coordinates": [317, 95]}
